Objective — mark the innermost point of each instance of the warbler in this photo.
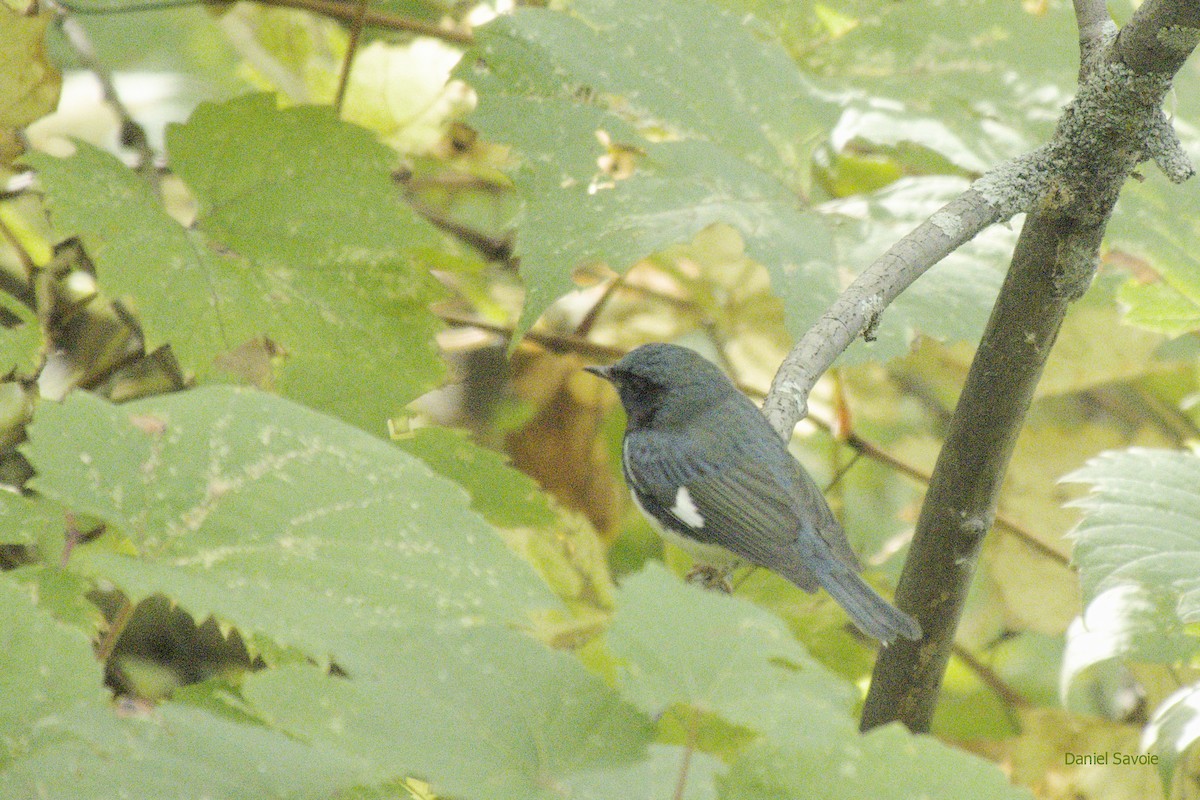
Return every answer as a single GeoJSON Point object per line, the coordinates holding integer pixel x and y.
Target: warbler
{"type": "Point", "coordinates": [706, 467]}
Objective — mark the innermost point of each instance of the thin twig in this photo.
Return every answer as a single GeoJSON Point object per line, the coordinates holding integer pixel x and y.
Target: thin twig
{"type": "Point", "coordinates": [559, 343]}
{"type": "Point", "coordinates": [689, 748]}
{"type": "Point", "coordinates": [1002, 522]}
{"type": "Point", "coordinates": [356, 27]}
{"type": "Point", "coordinates": [876, 453]}
{"type": "Point", "coordinates": [493, 248]}
{"type": "Point", "coordinates": [108, 643]}
{"type": "Point", "coordinates": [589, 319]}
{"type": "Point", "coordinates": [377, 19]}
{"type": "Point", "coordinates": [132, 133]}
{"type": "Point", "coordinates": [20, 287]}
{"type": "Point", "coordinates": [329, 8]}
{"type": "Point", "coordinates": [988, 676]}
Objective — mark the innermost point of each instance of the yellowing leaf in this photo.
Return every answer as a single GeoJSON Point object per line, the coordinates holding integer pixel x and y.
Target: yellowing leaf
{"type": "Point", "coordinates": [29, 83]}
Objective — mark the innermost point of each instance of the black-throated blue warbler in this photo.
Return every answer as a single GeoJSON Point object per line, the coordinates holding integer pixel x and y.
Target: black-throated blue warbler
{"type": "Point", "coordinates": [704, 464]}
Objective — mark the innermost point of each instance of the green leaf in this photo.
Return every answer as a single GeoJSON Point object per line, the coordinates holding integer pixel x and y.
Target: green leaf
{"type": "Point", "coordinates": [1155, 225]}
{"type": "Point", "coordinates": [1141, 525]}
{"type": "Point", "coordinates": [652, 122]}
{"type": "Point", "coordinates": [952, 300]}
{"type": "Point", "coordinates": [1174, 727]}
{"type": "Point", "coordinates": [678, 644]}
{"type": "Point", "coordinates": [703, 139]}
{"type": "Point", "coordinates": [301, 238]}
{"type": "Point", "coordinates": [173, 751]}
{"type": "Point", "coordinates": [20, 345]}
{"type": "Point", "coordinates": [1163, 307]}
{"type": "Point", "coordinates": [64, 594]}
{"type": "Point", "coordinates": [295, 187]}
{"type": "Point", "coordinates": [656, 777]}
{"type": "Point", "coordinates": [887, 763]}
{"type": "Point", "coordinates": [504, 495]}
{"type": "Point", "coordinates": [565, 550]}
{"type": "Point", "coordinates": [31, 520]}
{"type": "Point", "coordinates": [1138, 551]}
{"type": "Point", "coordinates": [29, 82]}
{"type": "Point", "coordinates": [42, 525]}
{"type": "Point", "coordinates": [482, 713]}
{"type": "Point", "coordinates": [61, 737]}
{"type": "Point", "coordinates": [276, 519]}
{"type": "Point", "coordinates": [46, 669]}
{"type": "Point", "coordinates": [1126, 621]}
{"type": "Point", "coordinates": [944, 79]}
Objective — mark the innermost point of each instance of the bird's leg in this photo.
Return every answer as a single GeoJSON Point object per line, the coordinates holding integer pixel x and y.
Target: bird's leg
{"type": "Point", "coordinates": [710, 577]}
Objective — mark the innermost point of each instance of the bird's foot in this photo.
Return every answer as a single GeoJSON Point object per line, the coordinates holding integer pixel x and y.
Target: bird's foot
{"type": "Point", "coordinates": [710, 577]}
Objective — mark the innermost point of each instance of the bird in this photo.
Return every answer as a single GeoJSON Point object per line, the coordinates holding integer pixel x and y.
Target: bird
{"type": "Point", "coordinates": [705, 466]}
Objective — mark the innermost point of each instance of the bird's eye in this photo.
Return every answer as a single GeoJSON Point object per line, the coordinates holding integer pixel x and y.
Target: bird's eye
{"type": "Point", "coordinates": [638, 384]}
{"type": "Point", "coordinates": [645, 390]}
{"type": "Point", "coordinates": [641, 397]}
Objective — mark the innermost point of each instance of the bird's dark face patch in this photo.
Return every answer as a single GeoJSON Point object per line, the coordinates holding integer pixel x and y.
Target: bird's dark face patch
{"type": "Point", "coordinates": [641, 397]}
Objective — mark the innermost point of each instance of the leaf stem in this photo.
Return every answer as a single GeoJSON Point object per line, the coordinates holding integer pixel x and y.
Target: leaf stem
{"type": "Point", "coordinates": [106, 645]}
{"type": "Point", "coordinates": [689, 747]}
{"type": "Point", "coordinates": [356, 27]}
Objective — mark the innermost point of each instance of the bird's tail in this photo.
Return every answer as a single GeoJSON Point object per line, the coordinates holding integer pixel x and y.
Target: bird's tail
{"type": "Point", "coordinates": [871, 613]}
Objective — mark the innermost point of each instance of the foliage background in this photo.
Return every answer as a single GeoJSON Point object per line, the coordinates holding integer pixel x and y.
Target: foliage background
{"type": "Point", "coordinates": [278, 524]}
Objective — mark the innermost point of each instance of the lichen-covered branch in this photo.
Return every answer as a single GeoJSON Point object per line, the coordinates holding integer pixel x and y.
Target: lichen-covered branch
{"type": "Point", "coordinates": [960, 504]}
{"type": "Point", "coordinates": [1114, 123]}
{"type": "Point", "coordinates": [995, 197]}
{"type": "Point", "coordinates": [1096, 30]}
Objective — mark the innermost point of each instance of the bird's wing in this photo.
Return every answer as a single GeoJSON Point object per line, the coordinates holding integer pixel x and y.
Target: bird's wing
{"type": "Point", "coordinates": [745, 508]}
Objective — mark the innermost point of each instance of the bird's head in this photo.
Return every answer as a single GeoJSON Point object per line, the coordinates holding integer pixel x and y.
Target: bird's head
{"type": "Point", "coordinates": [662, 385]}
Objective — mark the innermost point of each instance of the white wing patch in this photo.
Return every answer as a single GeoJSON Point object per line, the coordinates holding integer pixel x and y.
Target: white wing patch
{"type": "Point", "coordinates": [685, 510]}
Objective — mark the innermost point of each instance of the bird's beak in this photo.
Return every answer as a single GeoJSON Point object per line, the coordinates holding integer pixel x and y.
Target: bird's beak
{"type": "Point", "coordinates": [600, 372]}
